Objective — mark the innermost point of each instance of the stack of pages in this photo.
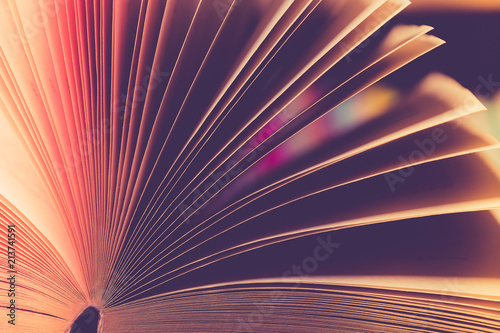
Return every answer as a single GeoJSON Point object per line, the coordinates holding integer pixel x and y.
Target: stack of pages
{"type": "Point", "coordinates": [214, 166]}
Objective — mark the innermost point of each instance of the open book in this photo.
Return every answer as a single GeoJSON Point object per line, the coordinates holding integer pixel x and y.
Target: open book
{"type": "Point", "coordinates": [226, 166]}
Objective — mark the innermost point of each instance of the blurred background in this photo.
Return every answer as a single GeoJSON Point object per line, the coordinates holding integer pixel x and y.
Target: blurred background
{"type": "Point", "coordinates": [471, 55]}
{"type": "Point", "coordinates": [471, 29]}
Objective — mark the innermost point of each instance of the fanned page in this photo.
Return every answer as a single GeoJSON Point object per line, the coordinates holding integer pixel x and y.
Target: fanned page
{"type": "Point", "coordinates": [230, 166]}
